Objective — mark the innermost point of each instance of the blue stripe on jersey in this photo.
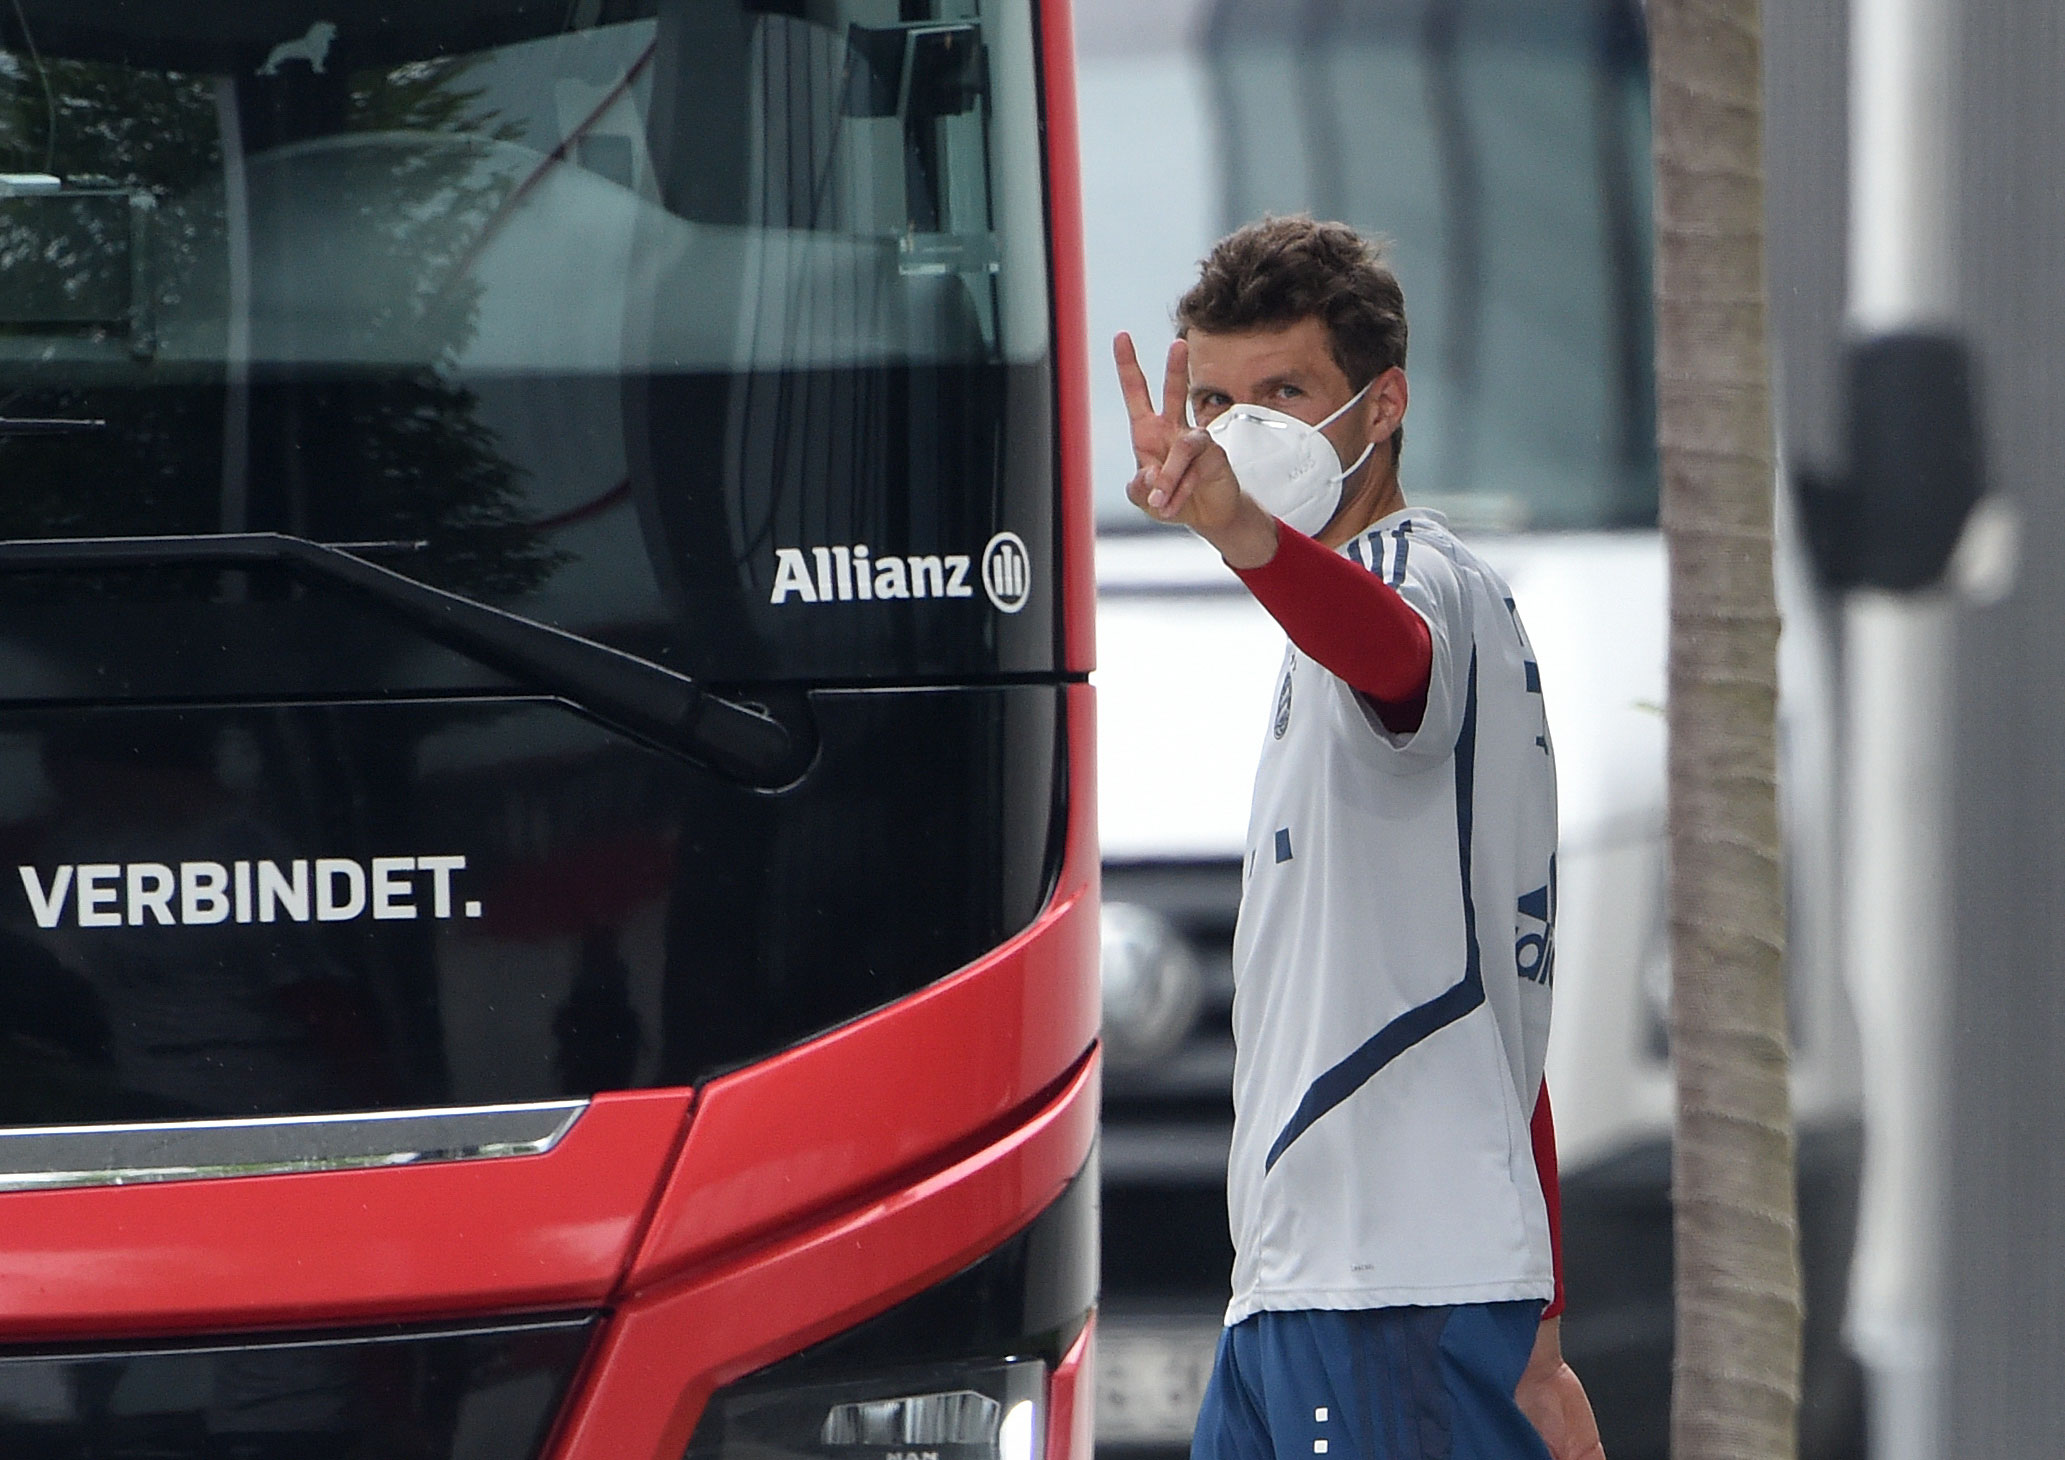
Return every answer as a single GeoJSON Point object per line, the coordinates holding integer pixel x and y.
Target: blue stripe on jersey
{"type": "Point", "coordinates": [1445, 1008]}
{"type": "Point", "coordinates": [1398, 563]}
{"type": "Point", "coordinates": [1368, 550]}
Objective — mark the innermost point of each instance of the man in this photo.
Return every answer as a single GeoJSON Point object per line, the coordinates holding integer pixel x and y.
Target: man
{"type": "Point", "coordinates": [1391, 1183]}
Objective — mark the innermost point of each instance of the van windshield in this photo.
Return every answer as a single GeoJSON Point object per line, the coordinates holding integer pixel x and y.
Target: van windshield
{"type": "Point", "coordinates": [1501, 148]}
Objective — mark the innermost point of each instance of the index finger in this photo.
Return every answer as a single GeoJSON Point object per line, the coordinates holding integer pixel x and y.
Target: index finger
{"type": "Point", "coordinates": [1132, 379]}
{"type": "Point", "coordinates": [1176, 386]}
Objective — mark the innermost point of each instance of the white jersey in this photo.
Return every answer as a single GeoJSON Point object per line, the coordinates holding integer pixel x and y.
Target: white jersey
{"type": "Point", "coordinates": [1392, 967]}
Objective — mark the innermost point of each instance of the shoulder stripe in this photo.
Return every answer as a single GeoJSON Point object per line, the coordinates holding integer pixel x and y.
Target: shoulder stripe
{"type": "Point", "coordinates": [1355, 552]}
{"type": "Point", "coordinates": [1423, 1020]}
{"type": "Point", "coordinates": [1398, 562]}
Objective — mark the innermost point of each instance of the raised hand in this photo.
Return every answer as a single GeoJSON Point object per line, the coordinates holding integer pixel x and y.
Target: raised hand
{"type": "Point", "coordinates": [1184, 476]}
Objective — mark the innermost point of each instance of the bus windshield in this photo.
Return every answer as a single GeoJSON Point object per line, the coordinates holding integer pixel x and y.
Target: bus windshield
{"type": "Point", "coordinates": [618, 314]}
{"type": "Point", "coordinates": [411, 417]}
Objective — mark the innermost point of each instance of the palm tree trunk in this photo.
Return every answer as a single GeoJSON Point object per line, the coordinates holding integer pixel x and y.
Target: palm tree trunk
{"type": "Point", "coordinates": [1735, 1390]}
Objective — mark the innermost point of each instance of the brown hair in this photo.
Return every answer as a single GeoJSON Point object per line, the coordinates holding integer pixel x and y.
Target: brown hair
{"type": "Point", "coordinates": [1274, 273]}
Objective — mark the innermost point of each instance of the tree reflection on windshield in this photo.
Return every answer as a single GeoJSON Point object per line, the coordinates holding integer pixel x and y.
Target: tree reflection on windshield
{"type": "Point", "coordinates": [214, 425]}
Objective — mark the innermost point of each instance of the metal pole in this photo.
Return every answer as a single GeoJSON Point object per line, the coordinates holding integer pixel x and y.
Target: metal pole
{"type": "Point", "coordinates": [1898, 686]}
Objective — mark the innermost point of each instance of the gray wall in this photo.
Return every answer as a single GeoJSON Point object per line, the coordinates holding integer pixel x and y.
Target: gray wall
{"type": "Point", "coordinates": [2006, 1264]}
{"type": "Point", "coordinates": [1806, 201]}
{"type": "Point", "coordinates": [2006, 1288]}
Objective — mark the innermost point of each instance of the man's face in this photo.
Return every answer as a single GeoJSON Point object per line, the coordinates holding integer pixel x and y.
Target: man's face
{"type": "Point", "coordinates": [1290, 370]}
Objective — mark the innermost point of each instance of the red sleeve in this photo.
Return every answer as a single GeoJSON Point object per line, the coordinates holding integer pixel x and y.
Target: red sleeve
{"type": "Point", "coordinates": [1552, 1192]}
{"type": "Point", "coordinates": [1350, 621]}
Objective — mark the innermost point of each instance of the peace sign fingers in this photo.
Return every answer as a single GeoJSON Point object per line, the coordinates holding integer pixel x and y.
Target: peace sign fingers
{"type": "Point", "coordinates": [1185, 476]}
{"type": "Point", "coordinates": [1153, 430]}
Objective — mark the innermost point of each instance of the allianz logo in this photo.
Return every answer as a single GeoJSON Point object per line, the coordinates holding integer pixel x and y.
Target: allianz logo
{"type": "Point", "coordinates": [856, 573]}
{"type": "Point", "coordinates": [324, 890]}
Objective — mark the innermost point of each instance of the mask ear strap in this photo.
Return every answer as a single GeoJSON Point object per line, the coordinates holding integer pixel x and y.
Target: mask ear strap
{"type": "Point", "coordinates": [1347, 406]}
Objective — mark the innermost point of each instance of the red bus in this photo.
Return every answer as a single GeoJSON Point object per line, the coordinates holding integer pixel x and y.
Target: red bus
{"type": "Point", "coordinates": [545, 744]}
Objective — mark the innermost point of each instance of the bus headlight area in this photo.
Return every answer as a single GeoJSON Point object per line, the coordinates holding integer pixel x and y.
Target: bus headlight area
{"type": "Point", "coordinates": [983, 1366]}
{"type": "Point", "coordinates": [1152, 985]}
{"type": "Point", "coordinates": [956, 1411]}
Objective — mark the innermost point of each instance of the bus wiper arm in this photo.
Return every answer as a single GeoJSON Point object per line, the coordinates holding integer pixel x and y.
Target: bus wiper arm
{"type": "Point", "coordinates": [620, 689]}
{"type": "Point", "coordinates": [46, 426]}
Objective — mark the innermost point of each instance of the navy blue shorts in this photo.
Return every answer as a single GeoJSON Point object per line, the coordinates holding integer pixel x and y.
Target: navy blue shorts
{"type": "Point", "coordinates": [1374, 1384]}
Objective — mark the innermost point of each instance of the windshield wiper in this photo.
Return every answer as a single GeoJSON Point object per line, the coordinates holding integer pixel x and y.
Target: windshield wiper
{"type": "Point", "coordinates": [622, 690]}
{"type": "Point", "coordinates": [46, 426]}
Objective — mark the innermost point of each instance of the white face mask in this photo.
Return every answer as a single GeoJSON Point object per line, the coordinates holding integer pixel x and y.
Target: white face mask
{"type": "Point", "coordinates": [1286, 465]}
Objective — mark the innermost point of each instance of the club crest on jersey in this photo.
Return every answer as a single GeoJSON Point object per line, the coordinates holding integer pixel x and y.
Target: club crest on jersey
{"type": "Point", "coordinates": [1282, 720]}
{"type": "Point", "coordinates": [856, 573]}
